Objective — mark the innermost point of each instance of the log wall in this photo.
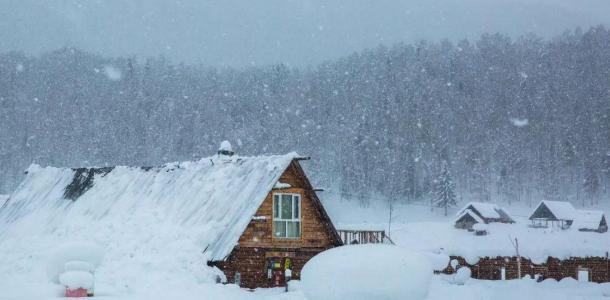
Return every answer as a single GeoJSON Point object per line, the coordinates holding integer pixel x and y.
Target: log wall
{"type": "Point", "coordinates": [489, 268]}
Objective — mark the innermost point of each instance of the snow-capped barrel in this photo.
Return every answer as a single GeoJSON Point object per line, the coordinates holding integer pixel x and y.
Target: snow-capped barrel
{"type": "Point", "coordinates": [225, 148]}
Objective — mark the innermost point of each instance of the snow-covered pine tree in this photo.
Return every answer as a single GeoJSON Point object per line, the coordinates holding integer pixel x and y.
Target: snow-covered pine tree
{"type": "Point", "coordinates": [591, 183]}
{"type": "Point", "coordinates": [445, 189]}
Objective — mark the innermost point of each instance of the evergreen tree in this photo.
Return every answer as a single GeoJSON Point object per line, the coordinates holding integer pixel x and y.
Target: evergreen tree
{"type": "Point", "coordinates": [591, 183]}
{"type": "Point", "coordinates": [445, 189]}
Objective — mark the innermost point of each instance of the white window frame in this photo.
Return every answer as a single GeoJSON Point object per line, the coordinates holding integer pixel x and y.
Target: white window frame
{"type": "Point", "coordinates": [293, 219]}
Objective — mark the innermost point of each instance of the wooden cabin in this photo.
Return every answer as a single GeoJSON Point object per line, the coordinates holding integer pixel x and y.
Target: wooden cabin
{"type": "Point", "coordinates": [289, 227]}
{"type": "Point", "coordinates": [256, 218]}
{"type": "Point", "coordinates": [554, 214]}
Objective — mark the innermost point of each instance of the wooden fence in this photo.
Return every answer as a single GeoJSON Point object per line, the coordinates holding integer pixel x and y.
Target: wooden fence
{"type": "Point", "coordinates": [364, 237]}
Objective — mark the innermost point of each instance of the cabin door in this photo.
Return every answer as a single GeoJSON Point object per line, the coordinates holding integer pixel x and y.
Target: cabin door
{"type": "Point", "coordinates": [276, 270]}
{"type": "Point", "coordinates": [583, 275]}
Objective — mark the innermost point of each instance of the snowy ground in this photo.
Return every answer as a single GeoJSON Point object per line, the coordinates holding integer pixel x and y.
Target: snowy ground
{"type": "Point", "coordinates": [440, 289]}
{"type": "Point", "coordinates": [25, 278]}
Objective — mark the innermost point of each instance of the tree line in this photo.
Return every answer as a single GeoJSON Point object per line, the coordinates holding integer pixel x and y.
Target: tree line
{"type": "Point", "coordinates": [511, 119]}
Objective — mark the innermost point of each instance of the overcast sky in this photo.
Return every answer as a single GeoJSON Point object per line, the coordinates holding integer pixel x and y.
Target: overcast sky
{"type": "Point", "coordinates": [244, 32]}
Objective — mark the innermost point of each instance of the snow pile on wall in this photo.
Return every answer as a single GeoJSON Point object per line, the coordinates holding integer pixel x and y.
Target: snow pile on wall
{"type": "Point", "coordinates": [372, 271]}
{"type": "Point", "coordinates": [164, 222]}
{"type": "Point", "coordinates": [462, 275]}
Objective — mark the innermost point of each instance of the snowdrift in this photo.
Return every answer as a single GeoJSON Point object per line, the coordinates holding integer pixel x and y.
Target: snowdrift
{"type": "Point", "coordinates": [372, 271]}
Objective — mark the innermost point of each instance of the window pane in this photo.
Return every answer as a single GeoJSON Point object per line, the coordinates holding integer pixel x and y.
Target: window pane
{"type": "Point", "coordinates": [297, 202]}
{"type": "Point", "coordinates": [286, 207]}
{"type": "Point", "coordinates": [276, 206]}
{"type": "Point", "coordinates": [294, 229]}
{"type": "Point", "coordinates": [279, 229]}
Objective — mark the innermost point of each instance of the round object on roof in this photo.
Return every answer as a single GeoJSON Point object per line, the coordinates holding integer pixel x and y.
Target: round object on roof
{"type": "Point", "coordinates": [367, 271]}
{"type": "Point", "coordinates": [225, 148]}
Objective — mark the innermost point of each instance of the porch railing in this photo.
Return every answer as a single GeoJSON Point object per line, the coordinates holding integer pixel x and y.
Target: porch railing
{"type": "Point", "coordinates": [364, 237]}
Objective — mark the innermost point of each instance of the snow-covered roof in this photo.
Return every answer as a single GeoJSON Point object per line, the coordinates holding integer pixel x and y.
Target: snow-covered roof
{"type": "Point", "coordinates": [487, 210]}
{"type": "Point", "coordinates": [470, 213]}
{"type": "Point", "coordinates": [587, 219]}
{"type": "Point", "coordinates": [211, 200]}
{"type": "Point", "coordinates": [562, 210]}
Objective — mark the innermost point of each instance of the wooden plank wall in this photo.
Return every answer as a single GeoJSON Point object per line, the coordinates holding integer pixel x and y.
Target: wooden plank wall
{"type": "Point", "coordinates": [257, 243]}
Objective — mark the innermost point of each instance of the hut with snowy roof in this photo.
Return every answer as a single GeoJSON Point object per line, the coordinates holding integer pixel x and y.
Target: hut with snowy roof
{"type": "Point", "coordinates": [466, 219]}
{"type": "Point", "coordinates": [553, 213]}
{"type": "Point", "coordinates": [483, 213]}
{"type": "Point", "coordinates": [253, 218]}
{"type": "Point", "coordinates": [590, 220]}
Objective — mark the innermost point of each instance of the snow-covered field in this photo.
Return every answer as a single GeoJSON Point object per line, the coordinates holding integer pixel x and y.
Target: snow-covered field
{"type": "Point", "coordinates": [144, 272]}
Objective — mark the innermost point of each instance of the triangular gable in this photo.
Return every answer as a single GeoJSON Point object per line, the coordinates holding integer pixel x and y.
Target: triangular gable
{"type": "Point", "coordinates": [469, 214]}
{"type": "Point", "coordinates": [316, 201]}
{"type": "Point", "coordinates": [543, 212]}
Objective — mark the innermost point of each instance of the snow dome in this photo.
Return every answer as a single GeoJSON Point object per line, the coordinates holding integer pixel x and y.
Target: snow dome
{"type": "Point", "coordinates": [371, 271]}
{"type": "Point", "coordinates": [225, 148]}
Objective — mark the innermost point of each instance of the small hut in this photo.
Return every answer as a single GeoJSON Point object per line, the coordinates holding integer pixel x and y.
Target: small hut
{"type": "Point", "coordinates": [554, 213]}
{"type": "Point", "coordinates": [479, 212]}
{"type": "Point", "coordinates": [466, 219]}
{"type": "Point", "coordinates": [590, 220]}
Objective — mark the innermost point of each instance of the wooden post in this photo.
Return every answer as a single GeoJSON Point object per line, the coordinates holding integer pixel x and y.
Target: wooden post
{"type": "Point", "coordinates": [516, 245]}
{"type": "Point", "coordinates": [518, 259]}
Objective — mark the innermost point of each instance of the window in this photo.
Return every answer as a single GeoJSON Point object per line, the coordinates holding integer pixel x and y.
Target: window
{"type": "Point", "coordinates": [287, 215]}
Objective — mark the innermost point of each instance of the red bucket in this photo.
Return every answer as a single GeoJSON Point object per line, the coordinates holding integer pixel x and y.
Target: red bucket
{"type": "Point", "coordinates": [79, 292]}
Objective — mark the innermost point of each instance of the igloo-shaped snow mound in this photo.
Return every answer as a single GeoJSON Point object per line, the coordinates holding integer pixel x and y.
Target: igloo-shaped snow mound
{"type": "Point", "coordinates": [73, 256]}
{"type": "Point", "coordinates": [367, 272]}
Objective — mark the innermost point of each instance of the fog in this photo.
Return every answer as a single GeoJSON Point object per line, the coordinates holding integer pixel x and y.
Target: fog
{"type": "Point", "coordinates": [304, 32]}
